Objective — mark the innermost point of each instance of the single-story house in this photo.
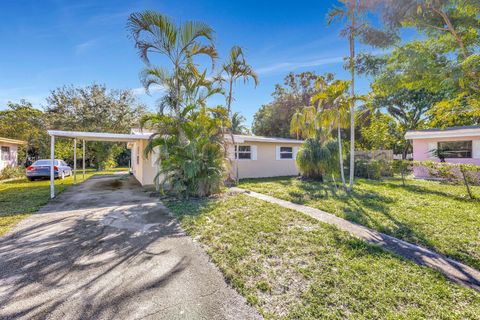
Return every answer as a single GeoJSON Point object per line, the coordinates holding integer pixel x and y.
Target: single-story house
{"type": "Point", "coordinates": [459, 144]}
{"type": "Point", "coordinates": [9, 152]}
{"type": "Point", "coordinates": [255, 157]}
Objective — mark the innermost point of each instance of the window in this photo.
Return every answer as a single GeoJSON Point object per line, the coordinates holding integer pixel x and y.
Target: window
{"type": "Point", "coordinates": [138, 155]}
{"type": "Point", "coordinates": [244, 152]}
{"type": "Point", "coordinates": [6, 153]}
{"type": "Point", "coordinates": [455, 149]}
{"type": "Point", "coordinates": [286, 153]}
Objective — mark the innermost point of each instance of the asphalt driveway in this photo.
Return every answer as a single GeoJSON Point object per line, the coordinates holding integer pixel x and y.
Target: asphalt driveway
{"type": "Point", "coordinates": [106, 249]}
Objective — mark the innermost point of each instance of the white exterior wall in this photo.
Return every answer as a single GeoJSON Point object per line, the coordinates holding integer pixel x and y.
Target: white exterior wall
{"type": "Point", "coordinates": [13, 155]}
{"type": "Point", "coordinates": [265, 161]}
{"type": "Point", "coordinates": [143, 168]}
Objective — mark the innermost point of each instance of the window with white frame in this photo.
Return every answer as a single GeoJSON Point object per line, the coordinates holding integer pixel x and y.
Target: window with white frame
{"type": "Point", "coordinates": [286, 153]}
{"type": "Point", "coordinates": [243, 152]}
{"type": "Point", "coordinates": [6, 154]}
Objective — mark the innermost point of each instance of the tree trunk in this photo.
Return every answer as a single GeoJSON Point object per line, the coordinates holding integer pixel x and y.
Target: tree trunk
{"type": "Point", "coordinates": [340, 154]}
{"type": "Point", "coordinates": [451, 29]}
{"type": "Point", "coordinates": [352, 106]}
{"type": "Point", "coordinates": [229, 104]}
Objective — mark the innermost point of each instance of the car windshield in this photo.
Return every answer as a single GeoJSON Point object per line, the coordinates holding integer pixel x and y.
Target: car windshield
{"type": "Point", "coordinates": [44, 162]}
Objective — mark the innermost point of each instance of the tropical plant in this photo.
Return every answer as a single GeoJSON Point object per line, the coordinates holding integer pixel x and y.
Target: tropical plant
{"type": "Point", "coordinates": [317, 158]}
{"type": "Point", "coordinates": [355, 13]}
{"type": "Point", "coordinates": [180, 44]}
{"type": "Point", "coordinates": [334, 103]}
{"type": "Point", "coordinates": [237, 124]}
{"type": "Point", "coordinates": [234, 69]}
{"type": "Point", "coordinates": [195, 167]}
{"type": "Point", "coordinates": [189, 135]}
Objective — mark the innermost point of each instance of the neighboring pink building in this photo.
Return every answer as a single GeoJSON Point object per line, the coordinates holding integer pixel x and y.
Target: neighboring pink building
{"type": "Point", "coordinates": [460, 145]}
{"type": "Point", "coordinates": [8, 152]}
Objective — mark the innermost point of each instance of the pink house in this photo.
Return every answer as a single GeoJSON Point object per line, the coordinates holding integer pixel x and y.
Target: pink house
{"type": "Point", "coordinates": [8, 152]}
{"type": "Point", "coordinates": [457, 144]}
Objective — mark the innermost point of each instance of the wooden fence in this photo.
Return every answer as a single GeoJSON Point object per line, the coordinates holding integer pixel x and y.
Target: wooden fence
{"type": "Point", "coordinates": [375, 154]}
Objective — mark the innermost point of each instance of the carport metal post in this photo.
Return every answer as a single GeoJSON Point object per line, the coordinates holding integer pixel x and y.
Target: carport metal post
{"type": "Point", "coordinates": [52, 163]}
{"type": "Point", "coordinates": [74, 161]}
{"type": "Point", "coordinates": [83, 159]}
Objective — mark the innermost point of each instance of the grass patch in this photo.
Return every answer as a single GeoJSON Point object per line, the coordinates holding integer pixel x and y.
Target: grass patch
{"type": "Point", "coordinates": [431, 214]}
{"type": "Point", "coordinates": [290, 266]}
{"type": "Point", "coordinates": [20, 198]}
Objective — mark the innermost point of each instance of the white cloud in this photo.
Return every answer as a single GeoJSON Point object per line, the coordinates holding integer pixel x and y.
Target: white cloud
{"type": "Point", "coordinates": [290, 66]}
{"type": "Point", "coordinates": [84, 46]}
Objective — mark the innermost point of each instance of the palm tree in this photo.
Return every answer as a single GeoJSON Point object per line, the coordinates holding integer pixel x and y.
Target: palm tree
{"type": "Point", "coordinates": [335, 113]}
{"type": "Point", "coordinates": [235, 68]}
{"type": "Point", "coordinates": [351, 11]}
{"type": "Point", "coordinates": [236, 125]}
{"type": "Point", "coordinates": [180, 44]}
{"type": "Point", "coordinates": [296, 124]}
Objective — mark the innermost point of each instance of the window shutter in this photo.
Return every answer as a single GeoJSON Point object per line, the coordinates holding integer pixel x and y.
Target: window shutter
{"type": "Point", "coordinates": [295, 151]}
{"type": "Point", "coordinates": [277, 152]}
{"type": "Point", "coordinates": [431, 146]}
{"type": "Point", "coordinates": [476, 149]}
{"type": "Point", "coordinates": [254, 152]}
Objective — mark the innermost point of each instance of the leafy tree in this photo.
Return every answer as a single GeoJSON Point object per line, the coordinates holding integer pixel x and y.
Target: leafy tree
{"type": "Point", "coordinates": [24, 122]}
{"type": "Point", "coordinates": [237, 124]}
{"type": "Point", "coordinates": [93, 108]}
{"type": "Point", "coordinates": [274, 119]}
{"type": "Point", "coordinates": [381, 132]}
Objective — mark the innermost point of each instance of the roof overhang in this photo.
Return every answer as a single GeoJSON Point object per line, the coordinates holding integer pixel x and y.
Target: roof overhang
{"type": "Point", "coordinates": [99, 136]}
{"type": "Point", "coordinates": [244, 138]}
{"type": "Point", "coordinates": [435, 134]}
{"type": "Point", "coordinates": [12, 141]}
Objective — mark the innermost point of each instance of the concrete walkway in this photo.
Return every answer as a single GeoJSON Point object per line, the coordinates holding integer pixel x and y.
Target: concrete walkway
{"type": "Point", "coordinates": [452, 269]}
{"type": "Point", "coordinates": [105, 249]}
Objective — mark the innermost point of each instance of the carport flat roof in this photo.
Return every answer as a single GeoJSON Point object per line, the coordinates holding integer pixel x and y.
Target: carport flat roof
{"type": "Point", "coordinates": [99, 136]}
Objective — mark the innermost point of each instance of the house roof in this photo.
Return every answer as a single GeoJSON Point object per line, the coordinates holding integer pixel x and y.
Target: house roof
{"type": "Point", "coordinates": [239, 138]}
{"type": "Point", "coordinates": [99, 136]}
{"type": "Point", "coordinates": [452, 132]}
{"type": "Point", "coordinates": [12, 141]}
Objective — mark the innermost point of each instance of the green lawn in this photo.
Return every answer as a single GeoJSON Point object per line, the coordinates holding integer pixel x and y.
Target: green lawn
{"type": "Point", "coordinates": [432, 214]}
{"type": "Point", "coordinates": [20, 198]}
{"type": "Point", "coordinates": [290, 266]}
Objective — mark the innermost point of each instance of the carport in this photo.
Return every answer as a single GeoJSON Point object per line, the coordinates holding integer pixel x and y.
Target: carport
{"type": "Point", "coordinates": [84, 137]}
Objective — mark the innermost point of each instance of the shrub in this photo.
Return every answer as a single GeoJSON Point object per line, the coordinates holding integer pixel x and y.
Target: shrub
{"type": "Point", "coordinates": [373, 169]}
{"type": "Point", "coordinates": [460, 173]}
{"type": "Point", "coordinates": [317, 159]}
{"type": "Point", "coordinates": [10, 172]}
{"type": "Point", "coordinates": [402, 167]}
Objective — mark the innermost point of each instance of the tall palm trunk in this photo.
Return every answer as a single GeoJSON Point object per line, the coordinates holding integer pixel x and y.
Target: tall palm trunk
{"type": "Point", "coordinates": [340, 152]}
{"type": "Point", "coordinates": [352, 106]}
{"type": "Point", "coordinates": [230, 131]}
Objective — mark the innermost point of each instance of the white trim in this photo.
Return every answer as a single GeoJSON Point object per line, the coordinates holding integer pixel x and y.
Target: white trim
{"type": "Point", "coordinates": [253, 149]}
{"type": "Point", "coordinates": [475, 132]}
{"type": "Point", "coordinates": [476, 149]}
{"type": "Point", "coordinates": [99, 136]}
{"type": "Point", "coordinates": [246, 139]}
{"type": "Point", "coordinates": [278, 153]}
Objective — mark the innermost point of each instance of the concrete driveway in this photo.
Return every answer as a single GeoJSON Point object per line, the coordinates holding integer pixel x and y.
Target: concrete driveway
{"type": "Point", "coordinates": [106, 249]}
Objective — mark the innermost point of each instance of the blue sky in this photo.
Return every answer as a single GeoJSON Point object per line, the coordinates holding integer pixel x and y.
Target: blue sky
{"type": "Point", "coordinates": [48, 44]}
